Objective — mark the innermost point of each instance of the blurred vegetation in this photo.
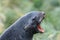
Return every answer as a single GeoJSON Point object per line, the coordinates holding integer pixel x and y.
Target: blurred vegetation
{"type": "Point", "coordinates": [11, 10]}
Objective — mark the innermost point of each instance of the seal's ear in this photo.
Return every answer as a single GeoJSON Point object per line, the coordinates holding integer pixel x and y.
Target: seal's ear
{"type": "Point", "coordinates": [27, 27]}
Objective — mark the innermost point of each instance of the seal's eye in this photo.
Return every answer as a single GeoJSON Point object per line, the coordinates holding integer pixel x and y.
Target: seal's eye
{"type": "Point", "coordinates": [34, 18]}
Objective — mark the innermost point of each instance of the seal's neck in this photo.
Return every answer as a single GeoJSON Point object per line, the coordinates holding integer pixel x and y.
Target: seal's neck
{"type": "Point", "coordinates": [29, 34]}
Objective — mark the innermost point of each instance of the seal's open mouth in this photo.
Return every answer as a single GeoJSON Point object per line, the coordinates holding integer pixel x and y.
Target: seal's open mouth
{"type": "Point", "coordinates": [40, 29]}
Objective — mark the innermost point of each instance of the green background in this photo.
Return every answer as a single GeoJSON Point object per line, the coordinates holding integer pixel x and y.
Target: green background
{"type": "Point", "coordinates": [11, 10]}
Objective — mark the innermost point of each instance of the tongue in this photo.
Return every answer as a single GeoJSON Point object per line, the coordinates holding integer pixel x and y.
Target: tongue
{"type": "Point", "coordinates": [40, 29]}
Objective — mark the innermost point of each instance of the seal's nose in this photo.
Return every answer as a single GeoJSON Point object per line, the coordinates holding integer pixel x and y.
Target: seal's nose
{"type": "Point", "coordinates": [43, 13]}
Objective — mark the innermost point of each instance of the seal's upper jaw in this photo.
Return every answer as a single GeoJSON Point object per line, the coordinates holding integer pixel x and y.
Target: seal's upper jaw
{"type": "Point", "coordinates": [41, 16]}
